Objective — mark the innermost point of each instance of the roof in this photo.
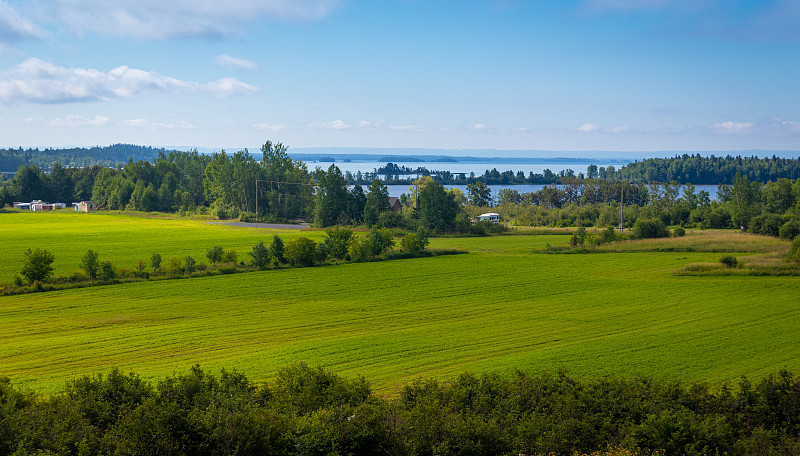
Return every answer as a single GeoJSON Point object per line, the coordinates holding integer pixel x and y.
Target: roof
{"type": "Point", "coordinates": [490, 214]}
{"type": "Point", "coordinates": [394, 199]}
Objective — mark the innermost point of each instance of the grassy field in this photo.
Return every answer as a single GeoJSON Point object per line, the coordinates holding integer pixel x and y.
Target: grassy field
{"type": "Point", "coordinates": [499, 308]}
{"type": "Point", "coordinates": [123, 239]}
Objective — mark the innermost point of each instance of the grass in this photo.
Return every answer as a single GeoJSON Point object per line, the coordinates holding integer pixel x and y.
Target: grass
{"type": "Point", "coordinates": [498, 308]}
{"type": "Point", "coordinates": [122, 238]}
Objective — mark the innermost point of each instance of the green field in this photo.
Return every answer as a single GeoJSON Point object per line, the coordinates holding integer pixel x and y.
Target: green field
{"type": "Point", "coordinates": [500, 307]}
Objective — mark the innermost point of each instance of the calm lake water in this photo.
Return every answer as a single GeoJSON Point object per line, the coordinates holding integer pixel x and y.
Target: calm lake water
{"type": "Point", "coordinates": [396, 190]}
{"type": "Point", "coordinates": [477, 168]}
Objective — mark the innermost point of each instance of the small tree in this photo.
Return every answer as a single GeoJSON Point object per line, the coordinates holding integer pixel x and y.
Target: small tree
{"type": "Point", "coordinates": [37, 266]}
{"type": "Point", "coordinates": [649, 229]}
{"type": "Point", "coordinates": [230, 256]}
{"type": "Point", "coordinates": [608, 235]}
{"type": "Point", "coordinates": [140, 269]}
{"type": "Point", "coordinates": [337, 241]}
{"type": "Point", "coordinates": [155, 262]}
{"type": "Point", "coordinates": [214, 254]}
{"type": "Point", "coordinates": [361, 248]}
{"type": "Point", "coordinates": [91, 263]}
{"type": "Point", "coordinates": [106, 271]}
{"type": "Point", "coordinates": [382, 239]}
{"type": "Point", "coordinates": [276, 249]}
{"type": "Point", "coordinates": [301, 251]}
{"type": "Point", "coordinates": [189, 264]}
{"type": "Point", "coordinates": [261, 255]}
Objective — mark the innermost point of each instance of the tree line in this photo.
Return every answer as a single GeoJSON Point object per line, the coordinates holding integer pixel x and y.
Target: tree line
{"type": "Point", "coordinates": [78, 157]}
{"type": "Point", "coordinates": [309, 411]}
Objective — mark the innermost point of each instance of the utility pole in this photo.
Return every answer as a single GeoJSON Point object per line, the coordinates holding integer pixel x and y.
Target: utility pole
{"type": "Point", "coordinates": [621, 203]}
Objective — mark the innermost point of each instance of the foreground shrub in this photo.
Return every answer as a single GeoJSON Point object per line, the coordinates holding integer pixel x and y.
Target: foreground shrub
{"type": "Point", "coordinates": [309, 410]}
{"type": "Point", "coordinates": [260, 255]}
{"type": "Point", "coordinates": [90, 262]}
{"type": "Point", "coordinates": [679, 231]}
{"type": "Point", "coordinates": [337, 241]}
{"type": "Point", "coordinates": [766, 224]}
{"type": "Point", "coordinates": [107, 271]}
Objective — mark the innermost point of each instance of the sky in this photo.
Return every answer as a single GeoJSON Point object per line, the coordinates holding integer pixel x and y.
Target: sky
{"type": "Point", "coordinates": [571, 75]}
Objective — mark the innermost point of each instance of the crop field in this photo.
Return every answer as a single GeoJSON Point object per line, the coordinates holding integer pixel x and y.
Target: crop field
{"type": "Point", "coordinates": [499, 308]}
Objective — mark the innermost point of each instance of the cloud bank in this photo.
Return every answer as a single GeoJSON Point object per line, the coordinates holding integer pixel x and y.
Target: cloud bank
{"type": "Point", "coordinates": [37, 81]}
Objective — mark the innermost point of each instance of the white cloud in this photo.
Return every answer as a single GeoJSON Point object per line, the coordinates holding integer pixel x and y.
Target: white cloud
{"type": "Point", "coordinates": [159, 19]}
{"type": "Point", "coordinates": [405, 128]}
{"type": "Point", "coordinates": [148, 125]}
{"type": "Point", "coordinates": [225, 60]}
{"type": "Point", "coordinates": [732, 128]}
{"type": "Point", "coordinates": [617, 129]}
{"type": "Point", "coordinates": [14, 27]}
{"type": "Point", "coordinates": [270, 127]}
{"type": "Point", "coordinates": [76, 120]}
{"type": "Point", "coordinates": [334, 125]}
{"type": "Point", "coordinates": [36, 81]}
{"type": "Point", "coordinates": [588, 128]}
{"type": "Point", "coordinates": [479, 126]}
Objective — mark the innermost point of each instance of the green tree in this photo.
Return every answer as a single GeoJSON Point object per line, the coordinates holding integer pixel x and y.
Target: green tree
{"type": "Point", "coordinates": [276, 249]}
{"type": "Point", "coordinates": [379, 196]}
{"type": "Point", "coordinates": [189, 264]}
{"type": "Point", "coordinates": [260, 255]}
{"type": "Point", "coordinates": [106, 271]}
{"type": "Point", "coordinates": [480, 195]}
{"type": "Point", "coordinates": [214, 254]}
{"type": "Point", "coordinates": [301, 251]}
{"type": "Point", "coordinates": [37, 265]}
{"type": "Point", "coordinates": [155, 261]}
{"type": "Point", "coordinates": [437, 209]}
{"type": "Point", "coordinates": [337, 240]}
{"type": "Point", "coordinates": [331, 201]}
{"type": "Point", "coordinates": [649, 229]}
{"type": "Point", "coordinates": [370, 215]}
{"type": "Point", "coordinates": [90, 262]}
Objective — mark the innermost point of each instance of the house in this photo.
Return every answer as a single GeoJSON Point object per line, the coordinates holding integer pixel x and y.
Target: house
{"type": "Point", "coordinates": [86, 206]}
{"type": "Point", "coordinates": [395, 204]}
{"type": "Point", "coordinates": [23, 206]}
{"type": "Point", "coordinates": [491, 217]}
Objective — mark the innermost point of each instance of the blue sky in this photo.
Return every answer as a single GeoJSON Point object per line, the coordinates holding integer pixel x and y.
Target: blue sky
{"type": "Point", "coordinates": [609, 75]}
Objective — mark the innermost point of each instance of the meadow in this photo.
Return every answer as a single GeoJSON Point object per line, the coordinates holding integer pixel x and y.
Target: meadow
{"type": "Point", "coordinates": [499, 308]}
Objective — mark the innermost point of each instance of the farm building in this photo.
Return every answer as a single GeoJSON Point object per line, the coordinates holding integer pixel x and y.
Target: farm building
{"type": "Point", "coordinates": [395, 204]}
{"type": "Point", "coordinates": [86, 206]}
{"type": "Point", "coordinates": [492, 217]}
{"type": "Point", "coordinates": [39, 205]}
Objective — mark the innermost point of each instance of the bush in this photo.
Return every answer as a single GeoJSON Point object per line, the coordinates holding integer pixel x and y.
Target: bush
{"type": "Point", "coordinates": [729, 261]}
{"type": "Point", "coordinates": [229, 256]}
{"type": "Point", "coordinates": [608, 235]}
{"type": "Point", "coordinates": [37, 266]}
{"type": "Point", "coordinates": [789, 230]}
{"type": "Point", "coordinates": [361, 248]}
{"type": "Point", "coordinates": [301, 251]}
{"type": "Point", "coordinates": [173, 265]}
{"type": "Point", "coordinates": [649, 229]}
{"type": "Point", "coordinates": [107, 271]}
{"type": "Point", "coordinates": [382, 240]}
{"type": "Point", "coordinates": [678, 232]}
{"type": "Point", "coordinates": [766, 224]}
{"type": "Point", "coordinates": [794, 251]}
